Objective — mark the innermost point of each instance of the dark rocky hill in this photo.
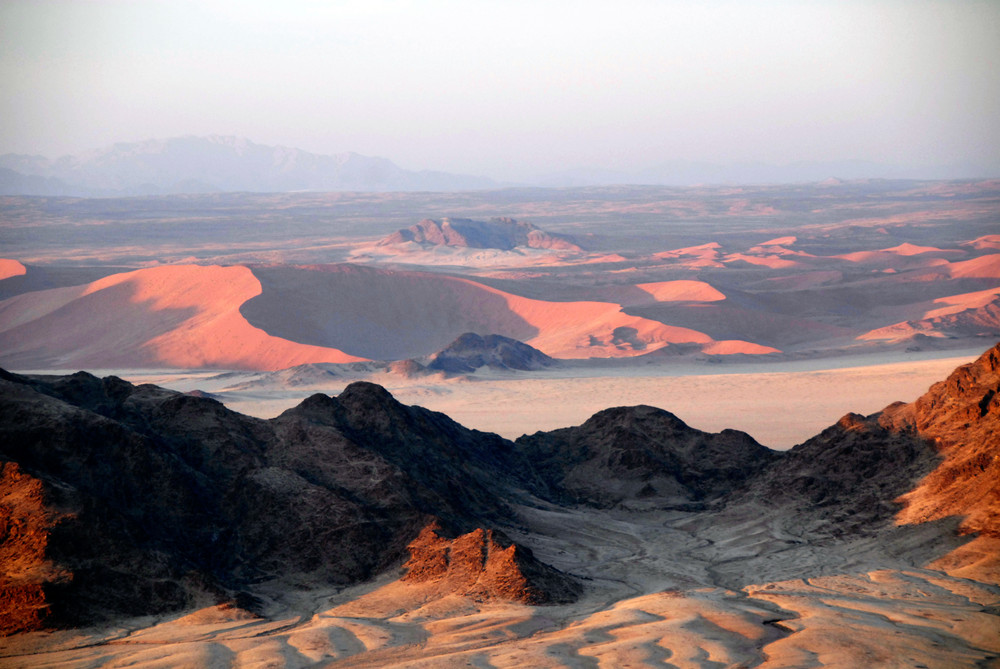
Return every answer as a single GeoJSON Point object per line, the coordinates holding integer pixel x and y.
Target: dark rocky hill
{"type": "Point", "coordinates": [118, 499]}
{"type": "Point", "coordinates": [643, 454]}
{"type": "Point", "coordinates": [471, 351]}
{"type": "Point", "coordinates": [122, 499]}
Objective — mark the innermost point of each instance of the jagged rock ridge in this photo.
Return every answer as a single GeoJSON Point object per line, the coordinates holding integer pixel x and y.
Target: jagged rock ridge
{"type": "Point", "coordinates": [643, 455]}
{"type": "Point", "coordinates": [497, 233]}
{"type": "Point", "coordinates": [124, 499]}
{"type": "Point", "coordinates": [121, 499]}
{"type": "Point", "coordinates": [485, 564]}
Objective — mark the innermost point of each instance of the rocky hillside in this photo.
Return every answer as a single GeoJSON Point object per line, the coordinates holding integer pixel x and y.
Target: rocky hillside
{"type": "Point", "coordinates": [118, 499]}
{"type": "Point", "coordinates": [643, 455]}
{"type": "Point", "coordinates": [961, 416]}
{"type": "Point", "coordinates": [497, 233]}
{"type": "Point", "coordinates": [122, 499]}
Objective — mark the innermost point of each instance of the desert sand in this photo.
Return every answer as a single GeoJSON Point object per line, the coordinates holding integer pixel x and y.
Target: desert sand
{"type": "Point", "coordinates": [770, 310]}
{"type": "Point", "coordinates": [185, 316]}
{"type": "Point", "coordinates": [656, 596]}
{"type": "Point", "coordinates": [779, 405]}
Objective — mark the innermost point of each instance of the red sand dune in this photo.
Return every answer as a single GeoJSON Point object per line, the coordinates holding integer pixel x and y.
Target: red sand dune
{"type": "Point", "coordinates": [9, 268]}
{"type": "Point", "coordinates": [178, 316]}
{"type": "Point", "coordinates": [388, 315]}
{"type": "Point", "coordinates": [968, 313]}
{"type": "Point", "coordinates": [394, 314]}
{"type": "Point", "coordinates": [190, 316]}
{"type": "Point", "coordinates": [886, 259]}
{"type": "Point", "coordinates": [780, 241]}
{"type": "Point", "coordinates": [771, 261]}
{"type": "Point", "coordinates": [734, 346]}
{"type": "Point", "coordinates": [954, 304]}
{"type": "Point", "coordinates": [681, 291]}
{"type": "Point", "coordinates": [983, 267]}
{"type": "Point", "coordinates": [708, 251]}
{"type": "Point", "coordinates": [984, 242]}
{"type": "Point", "coordinates": [908, 249]}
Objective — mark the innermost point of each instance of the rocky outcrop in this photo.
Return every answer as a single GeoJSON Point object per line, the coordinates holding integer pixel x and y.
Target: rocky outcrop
{"type": "Point", "coordinates": [122, 499]}
{"type": "Point", "coordinates": [471, 351]}
{"type": "Point", "coordinates": [932, 459]}
{"type": "Point", "coordinates": [961, 416]}
{"type": "Point", "coordinates": [26, 523]}
{"type": "Point", "coordinates": [643, 455]}
{"type": "Point", "coordinates": [485, 565]}
{"type": "Point", "coordinates": [847, 477]}
{"type": "Point", "coordinates": [497, 233]}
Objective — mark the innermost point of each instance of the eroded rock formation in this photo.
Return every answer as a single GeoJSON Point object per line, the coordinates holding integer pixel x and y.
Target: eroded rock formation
{"type": "Point", "coordinates": [485, 564]}
{"type": "Point", "coordinates": [497, 233]}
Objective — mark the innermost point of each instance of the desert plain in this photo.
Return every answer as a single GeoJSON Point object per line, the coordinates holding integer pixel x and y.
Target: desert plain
{"type": "Point", "coordinates": [772, 310]}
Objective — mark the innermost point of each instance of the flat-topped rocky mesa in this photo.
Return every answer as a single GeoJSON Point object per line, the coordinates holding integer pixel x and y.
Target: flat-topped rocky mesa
{"type": "Point", "coordinates": [497, 233]}
{"type": "Point", "coordinates": [123, 500]}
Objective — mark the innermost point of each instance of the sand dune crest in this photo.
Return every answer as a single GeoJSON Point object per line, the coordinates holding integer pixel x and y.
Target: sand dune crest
{"type": "Point", "coordinates": [173, 316]}
{"type": "Point", "coordinates": [9, 268]}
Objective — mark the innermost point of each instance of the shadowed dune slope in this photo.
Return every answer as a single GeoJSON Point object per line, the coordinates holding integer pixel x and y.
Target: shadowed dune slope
{"type": "Point", "coordinates": [383, 314]}
{"type": "Point", "coordinates": [176, 316]}
{"type": "Point", "coordinates": [194, 316]}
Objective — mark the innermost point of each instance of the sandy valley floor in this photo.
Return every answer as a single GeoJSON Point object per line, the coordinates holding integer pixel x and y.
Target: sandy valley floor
{"type": "Point", "coordinates": [748, 591]}
{"type": "Point", "coordinates": [780, 405]}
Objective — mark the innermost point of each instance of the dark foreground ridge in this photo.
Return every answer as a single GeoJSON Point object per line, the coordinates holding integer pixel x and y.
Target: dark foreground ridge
{"type": "Point", "coordinates": [118, 499]}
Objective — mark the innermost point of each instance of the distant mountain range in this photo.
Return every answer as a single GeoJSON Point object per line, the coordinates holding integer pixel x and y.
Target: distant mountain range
{"type": "Point", "coordinates": [232, 164]}
{"type": "Point", "coordinates": [214, 163]}
{"type": "Point", "coordinates": [690, 173]}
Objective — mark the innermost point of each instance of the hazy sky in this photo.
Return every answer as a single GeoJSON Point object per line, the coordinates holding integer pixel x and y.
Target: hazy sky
{"type": "Point", "coordinates": [512, 88]}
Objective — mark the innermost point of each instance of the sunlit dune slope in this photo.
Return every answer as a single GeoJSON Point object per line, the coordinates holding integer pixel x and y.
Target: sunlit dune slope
{"type": "Point", "coordinates": [967, 314]}
{"type": "Point", "coordinates": [176, 316]}
{"type": "Point", "coordinates": [386, 314]}
{"type": "Point", "coordinates": [9, 268]}
{"type": "Point", "coordinates": [676, 291]}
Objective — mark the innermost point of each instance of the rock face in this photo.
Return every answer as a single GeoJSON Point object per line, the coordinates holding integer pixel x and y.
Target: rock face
{"type": "Point", "coordinates": [630, 454]}
{"type": "Point", "coordinates": [849, 476]}
{"type": "Point", "coordinates": [935, 458]}
{"type": "Point", "coordinates": [484, 564]}
{"type": "Point", "coordinates": [471, 351]}
{"type": "Point", "coordinates": [961, 416]}
{"type": "Point", "coordinates": [498, 233]}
